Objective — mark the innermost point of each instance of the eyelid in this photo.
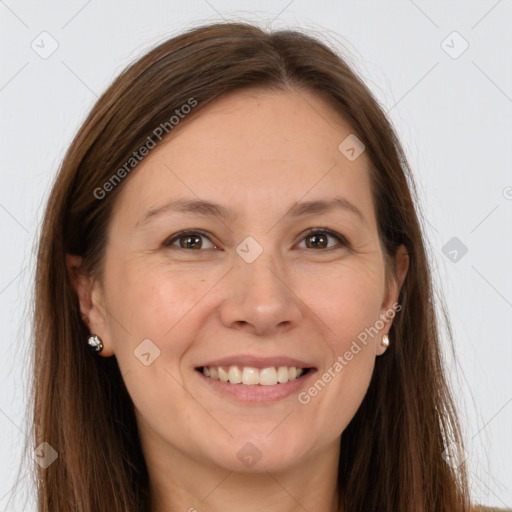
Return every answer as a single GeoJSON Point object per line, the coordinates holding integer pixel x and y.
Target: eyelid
{"type": "Point", "coordinates": [311, 231]}
{"type": "Point", "coordinates": [169, 241]}
{"type": "Point", "coordinates": [334, 234]}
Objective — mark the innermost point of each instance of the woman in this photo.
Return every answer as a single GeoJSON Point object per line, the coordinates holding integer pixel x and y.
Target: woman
{"type": "Point", "coordinates": [233, 234]}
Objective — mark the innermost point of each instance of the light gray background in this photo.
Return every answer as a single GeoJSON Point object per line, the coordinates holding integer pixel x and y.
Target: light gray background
{"type": "Point", "coordinates": [454, 116]}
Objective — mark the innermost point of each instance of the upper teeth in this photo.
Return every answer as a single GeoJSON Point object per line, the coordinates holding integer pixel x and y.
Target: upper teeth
{"type": "Point", "coordinates": [249, 375]}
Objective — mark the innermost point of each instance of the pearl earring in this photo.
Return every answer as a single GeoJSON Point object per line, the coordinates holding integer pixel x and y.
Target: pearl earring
{"type": "Point", "coordinates": [385, 340]}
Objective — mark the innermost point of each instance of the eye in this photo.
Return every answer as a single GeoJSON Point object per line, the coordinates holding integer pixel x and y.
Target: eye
{"type": "Point", "coordinates": [318, 239]}
{"type": "Point", "coordinates": [189, 240]}
{"type": "Point", "coordinates": [315, 239]}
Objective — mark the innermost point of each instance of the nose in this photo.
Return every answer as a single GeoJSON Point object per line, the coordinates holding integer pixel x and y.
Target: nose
{"type": "Point", "coordinates": [259, 298]}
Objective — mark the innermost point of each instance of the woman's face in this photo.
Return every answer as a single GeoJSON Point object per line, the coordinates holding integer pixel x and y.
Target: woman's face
{"type": "Point", "coordinates": [248, 291]}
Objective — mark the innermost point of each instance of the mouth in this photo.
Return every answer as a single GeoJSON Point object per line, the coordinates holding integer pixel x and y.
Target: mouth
{"type": "Point", "coordinates": [248, 378]}
{"type": "Point", "coordinates": [253, 376]}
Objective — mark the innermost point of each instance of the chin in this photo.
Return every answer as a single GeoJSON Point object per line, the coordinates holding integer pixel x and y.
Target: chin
{"type": "Point", "coordinates": [260, 453]}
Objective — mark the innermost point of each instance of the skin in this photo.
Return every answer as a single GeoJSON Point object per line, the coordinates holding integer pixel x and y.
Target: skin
{"type": "Point", "coordinates": [256, 152]}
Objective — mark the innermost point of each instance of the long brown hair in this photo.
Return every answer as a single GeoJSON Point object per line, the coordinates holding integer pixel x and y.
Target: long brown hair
{"type": "Point", "coordinates": [393, 452]}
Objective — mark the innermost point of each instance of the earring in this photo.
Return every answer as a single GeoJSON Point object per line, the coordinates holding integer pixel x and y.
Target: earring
{"type": "Point", "coordinates": [95, 344]}
{"type": "Point", "coordinates": [385, 340]}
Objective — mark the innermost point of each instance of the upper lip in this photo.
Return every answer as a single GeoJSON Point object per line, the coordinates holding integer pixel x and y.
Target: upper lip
{"type": "Point", "coordinates": [258, 362]}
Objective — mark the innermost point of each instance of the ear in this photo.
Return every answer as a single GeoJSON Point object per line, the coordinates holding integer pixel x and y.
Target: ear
{"type": "Point", "coordinates": [91, 300]}
{"type": "Point", "coordinates": [394, 286]}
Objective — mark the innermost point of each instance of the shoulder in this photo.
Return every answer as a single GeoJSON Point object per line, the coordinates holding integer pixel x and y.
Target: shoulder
{"type": "Point", "coordinates": [480, 508]}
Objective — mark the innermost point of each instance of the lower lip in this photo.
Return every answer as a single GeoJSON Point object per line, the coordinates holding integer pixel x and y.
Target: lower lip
{"type": "Point", "coordinates": [257, 392]}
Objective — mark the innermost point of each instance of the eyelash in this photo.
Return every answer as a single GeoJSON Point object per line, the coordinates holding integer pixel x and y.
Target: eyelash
{"type": "Point", "coordinates": [315, 231]}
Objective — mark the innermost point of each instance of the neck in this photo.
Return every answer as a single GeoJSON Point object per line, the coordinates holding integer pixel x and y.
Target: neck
{"type": "Point", "coordinates": [179, 483]}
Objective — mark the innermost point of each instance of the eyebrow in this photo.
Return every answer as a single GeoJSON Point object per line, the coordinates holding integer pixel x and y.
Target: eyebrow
{"type": "Point", "coordinates": [210, 209]}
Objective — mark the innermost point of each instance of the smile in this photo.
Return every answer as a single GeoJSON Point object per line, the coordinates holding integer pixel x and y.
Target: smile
{"type": "Point", "coordinates": [251, 376]}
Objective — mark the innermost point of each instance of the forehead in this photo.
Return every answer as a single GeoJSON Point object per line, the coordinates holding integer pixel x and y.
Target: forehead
{"type": "Point", "coordinates": [255, 148]}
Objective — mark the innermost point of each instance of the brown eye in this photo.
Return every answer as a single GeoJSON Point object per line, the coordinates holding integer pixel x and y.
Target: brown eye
{"type": "Point", "coordinates": [319, 239]}
{"type": "Point", "coordinates": [189, 240]}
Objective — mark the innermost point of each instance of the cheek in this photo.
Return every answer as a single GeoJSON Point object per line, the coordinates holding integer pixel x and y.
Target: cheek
{"type": "Point", "coordinates": [347, 298]}
{"type": "Point", "coordinates": [151, 301]}
{"type": "Point", "coordinates": [349, 304]}
{"type": "Point", "coordinates": [338, 388]}
{"type": "Point", "coordinates": [152, 326]}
